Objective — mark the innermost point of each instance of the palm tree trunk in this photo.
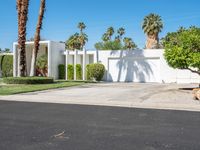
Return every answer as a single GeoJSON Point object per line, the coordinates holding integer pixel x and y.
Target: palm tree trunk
{"type": "Point", "coordinates": [152, 42]}
{"type": "Point", "coordinates": [22, 7]}
{"type": "Point", "coordinates": [1, 66]}
{"type": "Point", "coordinates": [37, 38]}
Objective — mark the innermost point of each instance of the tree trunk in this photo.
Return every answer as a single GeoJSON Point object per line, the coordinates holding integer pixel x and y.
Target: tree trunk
{"type": "Point", "coordinates": [22, 8]}
{"type": "Point", "coordinates": [37, 38]}
{"type": "Point", "coordinates": [152, 42]}
{"type": "Point", "coordinates": [1, 66]}
{"type": "Point", "coordinates": [33, 64]}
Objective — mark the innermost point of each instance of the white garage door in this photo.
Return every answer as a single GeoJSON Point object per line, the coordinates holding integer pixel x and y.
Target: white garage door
{"type": "Point", "coordinates": [134, 69]}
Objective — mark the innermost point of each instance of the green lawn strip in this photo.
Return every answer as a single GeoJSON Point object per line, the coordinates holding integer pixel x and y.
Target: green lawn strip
{"type": "Point", "coordinates": [16, 89]}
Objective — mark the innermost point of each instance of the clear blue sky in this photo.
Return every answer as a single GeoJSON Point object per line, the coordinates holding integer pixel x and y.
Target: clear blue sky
{"type": "Point", "coordinates": [62, 16]}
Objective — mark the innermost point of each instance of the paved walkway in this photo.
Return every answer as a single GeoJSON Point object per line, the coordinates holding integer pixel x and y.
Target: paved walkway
{"type": "Point", "coordinates": [156, 96]}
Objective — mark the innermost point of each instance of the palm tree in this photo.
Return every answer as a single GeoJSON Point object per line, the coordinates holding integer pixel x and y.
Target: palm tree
{"type": "Point", "coordinates": [105, 37]}
{"type": "Point", "coordinates": [37, 37]}
{"type": "Point", "coordinates": [121, 32]}
{"type": "Point", "coordinates": [83, 38]}
{"type": "Point", "coordinates": [110, 32]}
{"type": "Point", "coordinates": [129, 44]}
{"type": "Point", "coordinates": [22, 10]}
{"type": "Point", "coordinates": [81, 26]}
{"type": "Point", "coordinates": [152, 26]}
{"type": "Point", "coordinates": [73, 42]}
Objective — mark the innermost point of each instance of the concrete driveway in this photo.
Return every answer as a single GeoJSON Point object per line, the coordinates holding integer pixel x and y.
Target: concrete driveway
{"type": "Point", "coordinates": [146, 95]}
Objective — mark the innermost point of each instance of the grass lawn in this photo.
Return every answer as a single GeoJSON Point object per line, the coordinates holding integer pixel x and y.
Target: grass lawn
{"type": "Point", "coordinates": [15, 89]}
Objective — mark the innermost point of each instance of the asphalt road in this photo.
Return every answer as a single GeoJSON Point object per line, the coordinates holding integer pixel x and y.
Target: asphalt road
{"type": "Point", "coordinates": [37, 126]}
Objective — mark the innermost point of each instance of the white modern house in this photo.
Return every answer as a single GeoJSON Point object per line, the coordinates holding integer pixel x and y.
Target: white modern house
{"type": "Point", "coordinates": [54, 51]}
{"type": "Point", "coordinates": [121, 65]}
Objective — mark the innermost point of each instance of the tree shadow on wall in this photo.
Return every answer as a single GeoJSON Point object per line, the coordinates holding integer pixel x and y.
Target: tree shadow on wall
{"type": "Point", "coordinates": [133, 62]}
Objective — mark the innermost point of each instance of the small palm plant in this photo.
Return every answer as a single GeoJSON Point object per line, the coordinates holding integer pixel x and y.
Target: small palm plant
{"type": "Point", "coordinates": [121, 32]}
{"type": "Point", "coordinates": [81, 26]}
{"type": "Point", "coordinates": [110, 31]}
{"type": "Point", "coordinates": [152, 26]}
{"type": "Point", "coordinates": [129, 44]}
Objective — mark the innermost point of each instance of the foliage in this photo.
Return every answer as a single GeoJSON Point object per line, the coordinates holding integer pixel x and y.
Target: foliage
{"type": "Point", "coordinates": [28, 80]}
{"type": "Point", "coordinates": [70, 72]}
{"type": "Point", "coordinates": [42, 65]}
{"type": "Point", "coordinates": [95, 71]}
{"type": "Point", "coordinates": [77, 40]}
{"type": "Point", "coordinates": [61, 70]}
{"type": "Point", "coordinates": [110, 45]}
{"type": "Point", "coordinates": [78, 72]}
{"type": "Point", "coordinates": [129, 44]}
{"type": "Point", "coordinates": [114, 44]}
{"type": "Point", "coordinates": [182, 49]}
{"type": "Point", "coordinates": [152, 24]}
{"type": "Point", "coordinates": [6, 65]}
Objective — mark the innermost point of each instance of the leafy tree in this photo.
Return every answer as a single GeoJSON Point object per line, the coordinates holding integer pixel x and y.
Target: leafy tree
{"type": "Point", "coordinates": [152, 26]}
{"type": "Point", "coordinates": [182, 49]}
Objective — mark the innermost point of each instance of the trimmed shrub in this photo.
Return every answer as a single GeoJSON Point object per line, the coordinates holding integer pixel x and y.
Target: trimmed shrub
{"type": "Point", "coordinates": [70, 72]}
{"type": "Point", "coordinates": [7, 66]}
{"type": "Point", "coordinates": [95, 71]}
{"type": "Point", "coordinates": [28, 80]}
{"type": "Point", "coordinates": [61, 71]}
{"type": "Point", "coordinates": [78, 72]}
{"type": "Point", "coordinates": [88, 73]}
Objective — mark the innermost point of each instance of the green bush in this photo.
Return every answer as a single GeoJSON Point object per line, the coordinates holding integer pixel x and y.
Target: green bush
{"type": "Point", "coordinates": [95, 71]}
{"type": "Point", "coordinates": [7, 65]}
{"type": "Point", "coordinates": [70, 72]}
{"type": "Point", "coordinates": [28, 80]}
{"type": "Point", "coordinates": [61, 70]}
{"type": "Point", "coordinates": [78, 72]}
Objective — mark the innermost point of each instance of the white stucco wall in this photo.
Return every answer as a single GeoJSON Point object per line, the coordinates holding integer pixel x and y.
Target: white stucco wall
{"type": "Point", "coordinates": [142, 66]}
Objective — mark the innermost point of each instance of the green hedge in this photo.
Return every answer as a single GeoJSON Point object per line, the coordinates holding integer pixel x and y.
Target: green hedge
{"type": "Point", "coordinates": [7, 65]}
{"type": "Point", "coordinates": [95, 71]}
{"type": "Point", "coordinates": [61, 71]}
{"type": "Point", "coordinates": [70, 72]}
{"type": "Point", "coordinates": [28, 80]}
{"type": "Point", "coordinates": [79, 72]}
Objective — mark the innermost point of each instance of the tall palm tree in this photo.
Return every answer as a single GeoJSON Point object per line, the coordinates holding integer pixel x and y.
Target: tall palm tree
{"type": "Point", "coordinates": [152, 26]}
{"type": "Point", "coordinates": [22, 10]}
{"type": "Point", "coordinates": [81, 26]}
{"type": "Point", "coordinates": [82, 38]}
{"type": "Point", "coordinates": [110, 32]}
{"type": "Point", "coordinates": [37, 37]}
{"type": "Point", "coordinates": [129, 44]}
